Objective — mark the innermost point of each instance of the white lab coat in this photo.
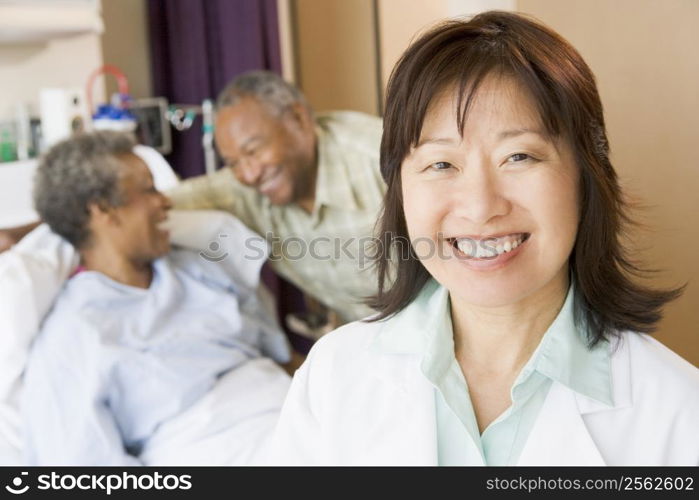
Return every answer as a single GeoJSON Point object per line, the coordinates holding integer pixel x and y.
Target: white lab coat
{"type": "Point", "coordinates": [352, 403]}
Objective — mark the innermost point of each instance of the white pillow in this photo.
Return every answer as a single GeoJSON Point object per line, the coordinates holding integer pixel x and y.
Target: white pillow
{"type": "Point", "coordinates": [31, 274]}
{"type": "Point", "coordinates": [164, 177]}
{"type": "Point", "coordinates": [222, 238]}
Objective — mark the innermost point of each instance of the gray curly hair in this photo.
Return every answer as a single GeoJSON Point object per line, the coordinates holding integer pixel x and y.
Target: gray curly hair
{"type": "Point", "coordinates": [269, 88]}
{"type": "Point", "coordinates": [76, 173]}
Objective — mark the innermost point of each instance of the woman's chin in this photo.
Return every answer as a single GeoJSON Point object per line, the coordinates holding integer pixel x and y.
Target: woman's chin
{"type": "Point", "coordinates": [490, 299]}
{"type": "Point", "coordinates": [160, 247]}
{"type": "Point", "coordinates": [491, 294]}
{"type": "Point", "coordinates": [507, 290]}
{"type": "Point", "coordinates": [165, 248]}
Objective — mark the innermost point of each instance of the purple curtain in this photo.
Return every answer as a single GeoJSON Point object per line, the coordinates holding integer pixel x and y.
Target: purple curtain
{"type": "Point", "coordinates": [197, 46]}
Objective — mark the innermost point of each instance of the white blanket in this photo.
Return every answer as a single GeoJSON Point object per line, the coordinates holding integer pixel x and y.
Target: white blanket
{"type": "Point", "coordinates": [231, 425]}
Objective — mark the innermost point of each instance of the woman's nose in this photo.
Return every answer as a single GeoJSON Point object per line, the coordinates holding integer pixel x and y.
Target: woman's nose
{"type": "Point", "coordinates": [166, 201]}
{"type": "Point", "coordinates": [478, 196]}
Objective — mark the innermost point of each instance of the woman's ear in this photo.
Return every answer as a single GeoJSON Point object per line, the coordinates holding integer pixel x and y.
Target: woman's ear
{"type": "Point", "coordinates": [102, 215]}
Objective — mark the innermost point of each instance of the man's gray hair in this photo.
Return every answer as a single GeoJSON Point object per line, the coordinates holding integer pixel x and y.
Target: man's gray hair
{"type": "Point", "coordinates": [267, 87]}
{"type": "Point", "coordinates": [76, 173]}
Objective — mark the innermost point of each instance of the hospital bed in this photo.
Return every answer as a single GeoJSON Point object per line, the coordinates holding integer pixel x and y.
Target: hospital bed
{"type": "Point", "coordinates": [33, 272]}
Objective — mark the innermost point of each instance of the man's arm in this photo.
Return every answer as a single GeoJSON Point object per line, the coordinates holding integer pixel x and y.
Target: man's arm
{"type": "Point", "coordinates": [205, 192]}
{"type": "Point", "coordinates": [11, 236]}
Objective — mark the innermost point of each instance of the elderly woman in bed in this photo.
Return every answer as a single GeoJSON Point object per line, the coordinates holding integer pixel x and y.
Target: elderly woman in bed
{"type": "Point", "coordinates": [150, 355]}
{"type": "Point", "coordinates": [510, 330]}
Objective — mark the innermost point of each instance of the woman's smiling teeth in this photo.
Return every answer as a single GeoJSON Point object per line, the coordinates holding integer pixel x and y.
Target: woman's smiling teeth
{"type": "Point", "coordinates": [489, 247]}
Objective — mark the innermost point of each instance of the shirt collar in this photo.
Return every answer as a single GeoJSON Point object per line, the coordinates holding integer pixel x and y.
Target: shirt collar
{"type": "Point", "coordinates": [562, 355]}
{"type": "Point", "coordinates": [333, 185]}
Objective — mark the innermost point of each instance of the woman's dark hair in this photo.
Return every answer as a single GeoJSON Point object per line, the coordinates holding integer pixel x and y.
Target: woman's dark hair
{"type": "Point", "coordinates": [461, 54]}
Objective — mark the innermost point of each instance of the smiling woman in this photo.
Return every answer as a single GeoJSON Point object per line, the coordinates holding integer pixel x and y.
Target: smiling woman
{"type": "Point", "coordinates": [112, 214]}
{"type": "Point", "coordinates": [514, 331]}
{"type": "Point", "coordinates": [534, 100]}
{"type": "Point", "coordinates": [497, 185]}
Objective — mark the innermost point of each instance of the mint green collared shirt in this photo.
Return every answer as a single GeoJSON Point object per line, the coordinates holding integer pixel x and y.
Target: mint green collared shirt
{"type": "Point", "coordinates": [562, 356]}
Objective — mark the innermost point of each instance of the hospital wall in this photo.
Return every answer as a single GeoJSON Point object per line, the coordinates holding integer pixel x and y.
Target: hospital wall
{"type": "Point", "coordinates": [336, 56]}
{"type": "Point", "coordinates": [26, 68]}
{"type": "Point", "coordinates": [125, 44]}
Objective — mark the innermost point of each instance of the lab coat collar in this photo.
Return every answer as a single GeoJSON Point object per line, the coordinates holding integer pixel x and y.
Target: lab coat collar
{"type": "Point", "coordinates": [564, 356]}
{"type": "Point", "coordinates": [569, 399]}
{"type": "Point", "coordinates": [586, 371]}
{"type": "Point", "coordinates": [559, 435]}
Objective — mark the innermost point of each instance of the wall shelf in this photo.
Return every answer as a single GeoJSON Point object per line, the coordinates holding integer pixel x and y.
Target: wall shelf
{"type": "Point", "coordinates": [34, 21]}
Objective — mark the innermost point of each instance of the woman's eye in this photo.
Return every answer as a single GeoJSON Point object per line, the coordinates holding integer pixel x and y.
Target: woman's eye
{"type": "Point", "coordinates": [440, 165]}
{"type": "Point", "coordinates": [519, 157]}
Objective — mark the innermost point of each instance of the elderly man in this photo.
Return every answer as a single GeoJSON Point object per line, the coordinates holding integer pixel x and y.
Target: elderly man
{"type": "Point", "coordinates": [149, 355]}
{"type": "Point", "coordinates": [309, 183]}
